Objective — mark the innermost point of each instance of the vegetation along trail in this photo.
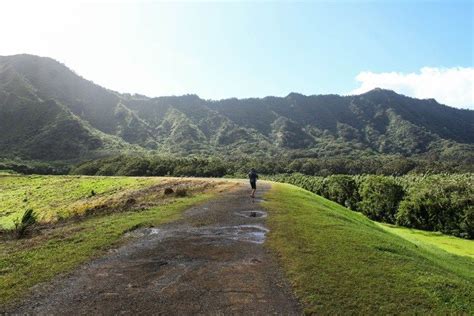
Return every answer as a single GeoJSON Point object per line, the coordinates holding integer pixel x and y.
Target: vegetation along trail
{"type": "Point", "coordinates": [207, 248]}
{"type": "Point", "coordinates": [210, 261]}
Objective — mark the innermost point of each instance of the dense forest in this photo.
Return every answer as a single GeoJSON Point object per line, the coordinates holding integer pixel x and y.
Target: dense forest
{"type": "Point", "coordinates": [152, 165]}
{"type": "Point", "coordinates": [215, 167]}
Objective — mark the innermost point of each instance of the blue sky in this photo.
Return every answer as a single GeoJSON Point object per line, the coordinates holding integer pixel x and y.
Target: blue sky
{"type": "Point", "coordinates": [253, 49]}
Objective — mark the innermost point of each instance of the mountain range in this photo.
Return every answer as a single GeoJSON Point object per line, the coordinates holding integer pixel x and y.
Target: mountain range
{"type": "Point", "coordinates": [50, 113]}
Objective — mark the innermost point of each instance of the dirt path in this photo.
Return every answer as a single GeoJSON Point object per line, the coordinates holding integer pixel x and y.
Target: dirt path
{"type": "Point", "coordinates": [210, 262]}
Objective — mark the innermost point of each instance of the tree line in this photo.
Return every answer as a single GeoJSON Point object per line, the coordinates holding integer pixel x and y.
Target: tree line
{"type": "Point", "coordinates": [438, 202]}
{"type": "Point", "coordinates": [219, 167]}
{"type": "Point", "coordinates": [409, 192]}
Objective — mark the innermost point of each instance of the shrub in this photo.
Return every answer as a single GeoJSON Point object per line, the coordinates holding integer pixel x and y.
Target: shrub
{"type": "Point", "coordinates": [134, 167]}
{"type": "Point", "coordinates": [168, 191]}
{"type": "Point", "coordinates": [343, 190]}
{"type": "Point", "coordinates": [88, 168]}
{"type": "Point", "coordinates": [310, 183]}
{"type": "Point", "coordinates": [439, 203]}
{"type": "Point", "coordinates": [21, 227]}
{"type": "Point", "coordinates": [467, 222]}
{"type": "Point", "coordinates": [380, 197]}
{"type": "Point", "coordinates": [181, 192]}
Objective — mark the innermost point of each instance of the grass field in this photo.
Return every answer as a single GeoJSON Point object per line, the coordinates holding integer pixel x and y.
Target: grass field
{"type": "Point", "coordinates": [341, 262]}
{"type": "Point", "coordinates": [434, 241]}
{"type": "Point", "coordinates": [52, 197]}
{"type": "Point", "coordinates": [61, 247]}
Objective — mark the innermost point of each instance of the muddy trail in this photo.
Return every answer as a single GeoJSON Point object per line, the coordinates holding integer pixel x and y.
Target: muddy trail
{"type": "Point", "coordinates": [210, 262]}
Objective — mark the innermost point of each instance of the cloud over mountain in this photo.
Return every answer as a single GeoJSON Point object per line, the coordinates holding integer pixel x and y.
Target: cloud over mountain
{"type": "Point", "coordinates": [451, 86]}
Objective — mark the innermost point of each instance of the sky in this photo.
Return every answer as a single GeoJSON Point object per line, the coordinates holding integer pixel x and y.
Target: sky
{"type": "Point", "coordinates": [226, 49]}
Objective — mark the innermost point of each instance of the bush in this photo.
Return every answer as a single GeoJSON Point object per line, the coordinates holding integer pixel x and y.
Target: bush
{"type": "Point", "coordinates": [310, 183]}
{"type": "Point", "coordinates": [467, 222]}
{"type": "Point", "coordinates": [343, 190]}
{"type": "Point", "coordinates": [441, 204]}
{"type": "Point", "coordinates": [21, 227]}
{"type": "Point", "coordinates": [135, 167]}
{"type": "Point", "coordinates": [88, 168]}
{"type": "Point", "coordinates": [380, 197]}
{"type": "Point", "coordinates": [168, 191]}
{"type": "Point", "coordinates": [181, 192]}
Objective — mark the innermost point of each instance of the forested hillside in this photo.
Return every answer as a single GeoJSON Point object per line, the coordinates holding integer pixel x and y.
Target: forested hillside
{"type": "Point", "coordinates": [49, 113]}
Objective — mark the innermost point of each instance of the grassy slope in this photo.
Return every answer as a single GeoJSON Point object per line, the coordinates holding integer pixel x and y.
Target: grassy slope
{"type": "Point", "coordinates": [434, 241]}
{"type": "Point", "coordinates": [51, 196]}
{"type": "Point", "coordinates": [341, 262]}
{"type": "Point", "coordinates": [24, 263]}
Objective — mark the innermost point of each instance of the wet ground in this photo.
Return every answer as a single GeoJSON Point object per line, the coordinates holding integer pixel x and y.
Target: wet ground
{"type": "Point", "coordinates": [211, 262]}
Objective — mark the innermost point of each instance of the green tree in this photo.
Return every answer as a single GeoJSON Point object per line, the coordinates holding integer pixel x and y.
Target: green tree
{"type": "Point", "coordinates": [380, 197]}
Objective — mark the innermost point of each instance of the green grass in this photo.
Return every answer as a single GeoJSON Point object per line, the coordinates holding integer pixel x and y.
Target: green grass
{"type": "Point", "coordinates": [23, 266]}
{"type": "Point", "coordinates": [340, 262]}
{"type": "Point", "coordinates": [61, 248]}
{"type": "Point", "coordinates": [51, 196]}
{"type": "Point", "coordinates": [434, 241]}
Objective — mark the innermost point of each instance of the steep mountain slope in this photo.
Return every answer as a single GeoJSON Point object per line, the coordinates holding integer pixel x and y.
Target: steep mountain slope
{"type": "Point", "coordinates": [44, 129]}
{"type": "Point", "coordinates": [48, 79]}
{"type": "Point", "coordinates": [40, 92]}
{"type": "Point", "coordinates": [380, 120]}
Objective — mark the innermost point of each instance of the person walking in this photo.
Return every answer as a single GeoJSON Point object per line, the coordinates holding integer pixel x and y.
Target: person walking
{"type": "Point", "coordinates": [253, 176]}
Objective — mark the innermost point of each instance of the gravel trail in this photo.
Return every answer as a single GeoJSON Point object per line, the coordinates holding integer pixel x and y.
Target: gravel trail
{"type": "Point", "coordinates": [212, 261]}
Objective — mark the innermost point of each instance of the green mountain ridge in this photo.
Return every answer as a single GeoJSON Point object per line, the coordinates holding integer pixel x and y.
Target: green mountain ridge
{"type": "Point", "coordinates": [49, 113]}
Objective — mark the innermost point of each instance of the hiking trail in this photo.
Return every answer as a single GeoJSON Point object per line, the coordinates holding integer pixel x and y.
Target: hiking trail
{"type": "Point", "coordinates": [212, 261]}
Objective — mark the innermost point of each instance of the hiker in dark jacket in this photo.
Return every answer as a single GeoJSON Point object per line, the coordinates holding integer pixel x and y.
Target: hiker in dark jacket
{"type": "Point", "coordinates": [253, 176]}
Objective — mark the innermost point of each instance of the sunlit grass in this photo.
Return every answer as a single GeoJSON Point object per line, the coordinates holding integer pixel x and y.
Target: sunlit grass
{"type": "Point", "coordinates": [51, 196]}
{"type": "Point", "coordinates": [340, 262]}
{"type": "Point", "coordinates": [65, 245]}
{"type": "Point", "coordinates": [26, 263]}
{"type": "Point", "coordinates": [429, 240]}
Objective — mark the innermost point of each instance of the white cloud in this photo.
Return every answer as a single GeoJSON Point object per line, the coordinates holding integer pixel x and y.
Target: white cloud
{"type": "Point", "coordinates": [450, 86]}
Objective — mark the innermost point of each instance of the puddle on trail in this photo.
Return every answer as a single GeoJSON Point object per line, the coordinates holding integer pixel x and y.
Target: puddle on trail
{"type": "Point", "coordinates": [154, 231]}
{"type": "Point", "coordinates": [250, 233]}
{"type": "Point", "coordinates": [246, 233]}
{"type": "Point", "coordinates": [252, 214]}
